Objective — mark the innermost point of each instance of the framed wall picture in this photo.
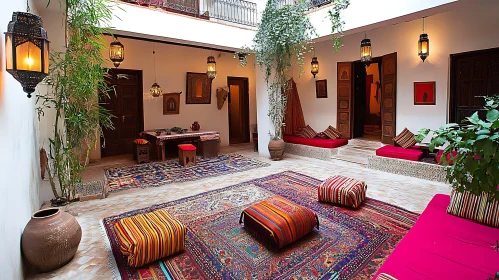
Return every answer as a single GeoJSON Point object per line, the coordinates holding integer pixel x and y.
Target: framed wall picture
{"type": "Point", "coordinates": [171, 103]}
{"type": "Point", "coordinates": [321, 88]}
{"type": "Point", "coordinates": [424, 93]}
{"type": "Point", "coordinates": [198, 89]}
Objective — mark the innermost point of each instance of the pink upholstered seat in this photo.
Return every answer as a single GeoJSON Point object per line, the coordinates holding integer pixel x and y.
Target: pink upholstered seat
{"type": "Point", "coordinates": [400, 153]}
{"type": "Point", "coordinates": [442, 246]}
{"type": "Point", "coordinates": [316, 142]}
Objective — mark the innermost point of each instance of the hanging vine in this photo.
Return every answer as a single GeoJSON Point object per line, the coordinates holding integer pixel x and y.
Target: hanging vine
{"type": "Point", "coordinates": [75, 81]}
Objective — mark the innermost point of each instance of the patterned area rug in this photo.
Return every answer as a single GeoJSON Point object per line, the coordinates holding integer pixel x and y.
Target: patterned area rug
{"type": "Point", "coordinates": [351, 244]}
{"type": "Point", "coordinates": [170, 171]}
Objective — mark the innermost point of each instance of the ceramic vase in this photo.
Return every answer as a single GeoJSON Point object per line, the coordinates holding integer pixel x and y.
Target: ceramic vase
{"type": "Point", "coordinates": [195, 126]}
{"type": "Point", "coordinates": [276, 149]}
{"type": "Point", "coordinates": [50, 239]}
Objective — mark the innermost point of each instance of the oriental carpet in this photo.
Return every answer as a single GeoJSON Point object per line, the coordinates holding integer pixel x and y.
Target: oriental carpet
{"type": "Point", "coordinates": [160, 173]}
{"type": "Point", "coordinates": [351, 244]}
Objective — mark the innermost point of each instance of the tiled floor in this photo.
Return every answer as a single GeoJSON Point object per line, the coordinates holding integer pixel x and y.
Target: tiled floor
{"type": "Point", "coordinates": [91, 260]}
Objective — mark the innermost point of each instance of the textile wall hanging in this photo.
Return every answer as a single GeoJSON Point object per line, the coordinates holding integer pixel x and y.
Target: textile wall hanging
{"type": "Point", "coordinates": [424, 93]}
{"type": "Point", "coordinates": [171, 103]}
{"type": "Point", "coordinates": [198, 89]}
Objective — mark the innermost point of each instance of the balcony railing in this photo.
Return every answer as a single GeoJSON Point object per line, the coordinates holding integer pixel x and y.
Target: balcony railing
{"type": "Point", "coordinates": [312, 4]}
{"type": "Point", "coordinates": [235, 11]}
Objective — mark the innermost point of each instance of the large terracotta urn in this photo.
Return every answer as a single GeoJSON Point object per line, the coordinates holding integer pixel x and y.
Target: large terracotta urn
{"type": "Point", "coordinates": [50, 239]}
{"type": "Point", "coordinates": [276, 149]}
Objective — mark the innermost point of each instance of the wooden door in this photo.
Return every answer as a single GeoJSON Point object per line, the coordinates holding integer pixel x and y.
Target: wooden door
{"type": "Point", "coordinates": [359, 99]}
{"type": "Point", "coordinates": [473, 76]}
{"type": "Point", "coordinates": [344, 89]}
{"type": "Point", "coordinates": [238, 100]}
{"type": "Point", "coordinates": [125, 103]}
{"type": "Point", "coordinates": [388, 97]}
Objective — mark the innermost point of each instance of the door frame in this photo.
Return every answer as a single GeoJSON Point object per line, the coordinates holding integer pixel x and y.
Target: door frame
{"type": "Point", "coordinates": [246, 107]}
{"type": "Point", "coordinates": [452, 81]}
{"type": "Point", "coordinates": [140, 97]}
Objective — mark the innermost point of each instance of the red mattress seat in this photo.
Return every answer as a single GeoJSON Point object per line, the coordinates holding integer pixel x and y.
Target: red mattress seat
{"type": "Point", "coordinates": [442, 246]}
{"type": "Point", "coordinates": [400, 153]}
{"type": "Point", "coordinates": [316, 142]}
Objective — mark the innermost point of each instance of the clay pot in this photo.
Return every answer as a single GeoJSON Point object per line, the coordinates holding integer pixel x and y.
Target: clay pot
{"type": "Point", "coordinates": [195, 126]}
{"type": "Point", "coordinates": [276, 149]}
{"type": "Point", "coordinates": [50, 239]}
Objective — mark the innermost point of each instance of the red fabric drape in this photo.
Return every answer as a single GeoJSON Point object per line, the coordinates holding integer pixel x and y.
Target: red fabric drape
{"type": "Point", "coordinates": [294, 115]}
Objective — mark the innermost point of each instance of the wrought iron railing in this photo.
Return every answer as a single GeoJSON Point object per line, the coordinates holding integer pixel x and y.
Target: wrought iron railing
{"type": "Point", "coordinates": [312, 4]}
{"type": "Point", "coordinates": [235, 11]}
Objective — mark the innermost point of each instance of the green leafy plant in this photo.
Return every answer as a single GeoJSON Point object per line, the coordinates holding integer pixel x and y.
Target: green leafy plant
{"type": "Point", "coordinates": [475, 167]}
{"type": "Point", "coordinates": [75, 81]}
{"type": "Point", "coordinates": [337, 23]}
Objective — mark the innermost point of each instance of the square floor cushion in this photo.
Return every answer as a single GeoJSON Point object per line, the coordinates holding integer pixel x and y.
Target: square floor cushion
{"type": "Point", "coordinates": [149, 237]}
{"type": "Point", "coordinates": [278, 221]}
{"type": "Point", "coordinates": [342, 191]}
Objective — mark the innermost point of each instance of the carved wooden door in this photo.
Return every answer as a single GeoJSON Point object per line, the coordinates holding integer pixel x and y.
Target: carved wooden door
{"type": "Point", "coordinates": [344, 89]}
{"type": "Point", "coordinates": [388, 98]}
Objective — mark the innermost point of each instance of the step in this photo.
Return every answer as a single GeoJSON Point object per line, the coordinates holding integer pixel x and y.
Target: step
{"type": "Point", "coordinates": [351, 151]}
{"type": "Point", "coordinates": [352, 159]}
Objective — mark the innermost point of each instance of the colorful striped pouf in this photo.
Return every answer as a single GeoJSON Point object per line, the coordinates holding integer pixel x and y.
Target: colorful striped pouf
{"type": "Point", "coordinates": [149, 237]}
{"type": "Point", "coordinates": [343, 191]}
{"type": "Point", "coordinates": [279, 221]}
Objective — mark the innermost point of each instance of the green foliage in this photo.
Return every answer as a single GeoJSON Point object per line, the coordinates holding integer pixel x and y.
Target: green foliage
{"type": "Point", "coordinates": [476, 166]}
{"type": "Point", "coordinates": [336, 22]}
{"type": "Point", "coordinates": [76, 79]}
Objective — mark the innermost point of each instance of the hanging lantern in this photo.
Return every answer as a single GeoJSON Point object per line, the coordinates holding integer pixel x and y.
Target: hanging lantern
{"type": "Point", "coordinates": [423, 45]}
{"type": "Point", "coordinates": [27, 50]}
{"type": "Point", "coordinates": [365, 51]}
{"type": "Point", "coordinates": [155, 90]}
{"type": "Point", "coordinates": [212, 68]}
{"type": "Point", "coordinates": [315, 66]}
{"type": "Point", "coordinates": [116, 52]}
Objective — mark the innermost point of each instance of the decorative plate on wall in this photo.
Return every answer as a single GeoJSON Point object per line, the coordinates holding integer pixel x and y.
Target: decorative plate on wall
{"type": "Point", "coordinates": [198, 89]}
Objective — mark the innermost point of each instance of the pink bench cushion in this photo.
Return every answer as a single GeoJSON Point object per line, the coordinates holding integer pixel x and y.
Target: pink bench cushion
{"type": "Point", "coordinates": [316, 142]}
{"type": "Point", "coordinates": [442, 246]}
{"type": "Point", "coordinates": [399, 152]}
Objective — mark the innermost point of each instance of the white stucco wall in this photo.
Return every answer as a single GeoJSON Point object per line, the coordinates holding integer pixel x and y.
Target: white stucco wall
{"type": "Point", "coordinates": [19, 163]}
{"type": "Point", "coordinates": [462, 30]}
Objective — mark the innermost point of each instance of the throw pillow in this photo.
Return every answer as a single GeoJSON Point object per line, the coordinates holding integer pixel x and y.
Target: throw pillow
{"type": "Point", "coordinates": [308, 132]}
{"type": "Point", "coordinates": [384, 276]}
{"type": "Point", "coordinates": [405, 139]}
{"type": "Point", "coordinates": [477, 208]}
{"type": "Point", "coordinates": [322, 135]}
{"type": "Point", "coordinates": [332, 133]}
{"type": "Point", "coordinates": [141, 141]}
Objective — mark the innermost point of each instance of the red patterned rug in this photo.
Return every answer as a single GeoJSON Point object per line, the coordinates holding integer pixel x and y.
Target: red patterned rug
{"type": "Point", "coordinates": [351, 244]}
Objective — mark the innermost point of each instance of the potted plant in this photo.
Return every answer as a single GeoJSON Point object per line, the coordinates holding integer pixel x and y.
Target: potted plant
{"type": "Point", "coordinates": [471, 154]}
{"type": "Point", "coordinates": [283, 37]}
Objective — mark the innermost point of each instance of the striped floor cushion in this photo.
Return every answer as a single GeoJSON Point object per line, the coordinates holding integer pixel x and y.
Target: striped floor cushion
{"type": "Point", "coordinates": [149, 237]}
{"type": "Point", "coordinates": [477, 208]}
{"type": "Point", "coordinates": [278, 221]}
{"type": "Point", "coordinates": [384, 276]}
{"type": "Point", "coordinates": [343, 191]}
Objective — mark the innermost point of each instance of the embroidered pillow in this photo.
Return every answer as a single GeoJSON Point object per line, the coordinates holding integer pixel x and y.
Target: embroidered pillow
{"type": "Point", "coordinates": [477, 208]}
{"type": "Point", "coordinates": [384, 276]}
{"type": "Point", "coordinates": [405, 139]}
{"type": "Point", "coordinates": [308, 132]}
{"type": "Point", "coordinates": [141, 141]}
{"type": "Point", "coordinates": [332, 133]}
{"type": "Point", "coordinates": [322, 135]}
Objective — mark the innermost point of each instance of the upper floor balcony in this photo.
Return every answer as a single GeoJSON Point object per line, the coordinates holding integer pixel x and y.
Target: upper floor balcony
{"type": "Point", "coordinates": [236, 12]}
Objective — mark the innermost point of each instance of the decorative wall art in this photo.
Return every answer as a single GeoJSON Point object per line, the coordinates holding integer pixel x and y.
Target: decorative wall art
{"type": "Point", "coordinates": [171, 103]}
{"type": "Point", "coordinates": [198, 89]}
{"type": "Point", "coordinates": [424, 93]}
{"type": "Point", "coordinates": [321, 88]}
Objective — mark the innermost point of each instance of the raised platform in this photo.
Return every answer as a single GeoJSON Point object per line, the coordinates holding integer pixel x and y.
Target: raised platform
{"type": "Point", "coordinates": [309, 151]}
{"type": "Point", "coordinates": [421, 170]}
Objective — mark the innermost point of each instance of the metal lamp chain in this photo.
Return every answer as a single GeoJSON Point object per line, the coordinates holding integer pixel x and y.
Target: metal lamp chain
{"type": "Point", "coordinates": [27, 6]}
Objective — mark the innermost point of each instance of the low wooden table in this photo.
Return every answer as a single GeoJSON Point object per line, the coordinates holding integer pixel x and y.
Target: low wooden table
{"type": "Point", "coordinates": [161, 140]}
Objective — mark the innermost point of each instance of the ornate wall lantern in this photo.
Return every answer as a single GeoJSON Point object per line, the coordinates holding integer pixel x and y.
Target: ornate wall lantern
{"type": "Point", "coordinates": [365, 51]}
{"type": "Point", "coordinates": [27, 50]}
{"type": "Point", "coordinates": [423, 45]}
{"type": "Point", "coordinates": [116, 52]}
{"type": "Point", "coordinates": [211, 67]}
{"type": "Point", "coordinates": [155, 89]}
{"type": "Point", "coordinates": [315, 65]}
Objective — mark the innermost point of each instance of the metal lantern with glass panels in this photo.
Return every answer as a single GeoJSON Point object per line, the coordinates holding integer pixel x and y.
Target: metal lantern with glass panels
{"type": "Point", "coordinates": [365, 51]}
{"type": "Point", "coordinates": [155, 90]}
{"type": "Point", "coordinates": [423, 45]}
{"type": "Point", "coordinates": [27, 50]}
{"type": "Point", "coordinates": [211, 70]}
{"type": "Point", "coordinates": [314, 66]}
{"type": "Point", "coordinates": [116, 52]}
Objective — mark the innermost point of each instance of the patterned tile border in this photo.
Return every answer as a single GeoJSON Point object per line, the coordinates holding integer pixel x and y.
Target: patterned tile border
{"type": "Point", "coordinates": [309, 151]}
{"type": "Point", "coordinates": [421, 170]}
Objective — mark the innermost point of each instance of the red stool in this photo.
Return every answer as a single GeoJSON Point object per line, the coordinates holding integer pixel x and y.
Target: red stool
{"type": "Point", "coordinates": [186, 154]}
